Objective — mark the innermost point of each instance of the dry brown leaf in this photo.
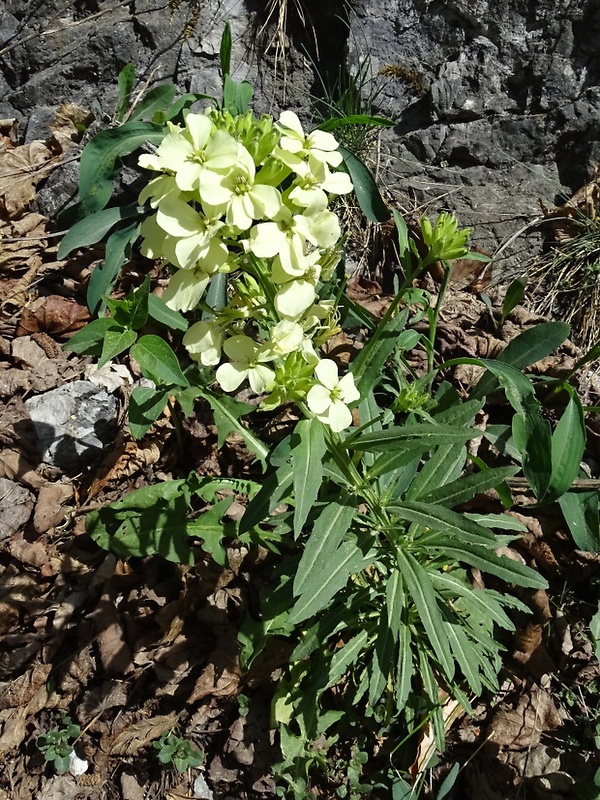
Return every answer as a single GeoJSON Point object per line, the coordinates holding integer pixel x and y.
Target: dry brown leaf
{"type": "Point", "coordinates": [16, 505]}
{"type": "Point", "coordinates": [522, 726]}
{"type": "Point", "coordinates": [21, 169]}
{"type": "Point", "coordinates": [124, 459]}
{"type": "Point", "coordinates": [55, 315]}
{"type": "Point", "coordinates": [114, 651]}
{"type": "Point", "coordinates": [22, 689]}
{"type": "Point", "coordinates": [221, 677]}
{"type": "Point", "coordinates": [49, 509]}
{"type": "Point", "coordinates": [70, 122]}
{"type": "Point", "coordinates": [16, 467]}
{"type": "Point", "coordinates": [131, 740]}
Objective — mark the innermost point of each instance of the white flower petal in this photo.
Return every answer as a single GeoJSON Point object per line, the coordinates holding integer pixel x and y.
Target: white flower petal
{"type": "Point", "coordinates": [339, 416]}
{"type": "Point", "coordinates": [318, 399]}
{"type": "Point", "coordinates": [327, 373]}
{"type": "Point", "coordinates": [231, 375]}
{"type": "Point", "coordinates": [185, 290]}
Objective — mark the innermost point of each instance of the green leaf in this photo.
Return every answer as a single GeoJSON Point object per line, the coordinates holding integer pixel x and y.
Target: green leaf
{"type": "Point", "coordinates": [216, 297]}
{"type": "Point", "coordinates": [524, 350]}
{"type": "Point", "coordinates": [276, 489]}
{"type": "Point", "coordinates": [161, 313]}
{"type": "Point", "coordinates": [158, 361]}
{"type": "Point", "coordinates": [145, 406]}
{"type": "Point", "coordinates": [100, 162]}
{"type": "Point", "coordinates": [148, 521]}
{"type": "Point", "coordinates": [431, 690]}
{"type": "Point", "coordinates": [345, 657]}
{"type": "Point", "coordinates": [236, 96]}
{"type": "Point", "coordinates": [449, 781]}
{"type": "Point", "coordinates": [514, 294]}
{"type": "Point", "coordinates": [115, 342]}
{"type": "Point", "coordinates": [365, 188]}
{"type": "Point", "coordinates": [93, 228]}
{"type": "Point", "coordinates": [225, 50]}
{"type": "Point", "coordinates": [227, 413]}
{"type": "Point", "coordinates": [368, 365]}
{"type": "Point", "coordinates": [404, 668]}
{"type": "Point", "coordinates": [466, 487]}
{"type": "Point", "coordinates": [465, 654]}
{"type": "Point", "coordinates": [500, 566]}
{"type": "Point", "coordinates": [125, 82]}
{"type": "Point", "coordinates": [157, 99]}
{"type": "Point", "coordinates": [118, 252]}
{"type": "Point", "coordinates": [409, 437]}
{"type": "Point", "coordinates": [443, 466]}
{"type": "Point", "coordinates": [595, 631]}
{"type": "Point", "coordinates": [481, 599]}
{"type": "Point", "coordinates": [211, 528]}
{"type": "Point", "coordinates": [322, 546]}
{"type": "Point", "coordinates": [322, 587]}
{"type": "Point", "coordinates": [580, 510]}
{"type": "Point", "coordinates": [568, 445]}
{"type": "Point", "coordinates": [89, 340]}
{"type": "Point", "coordinates": [423, 595]}
{"type": "Point", "coordinates": [437, 518]}
{"type": "Point", "coordinates": [307, 460]}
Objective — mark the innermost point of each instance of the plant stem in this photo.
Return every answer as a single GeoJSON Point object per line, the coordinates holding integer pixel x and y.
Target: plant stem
{"type": "Point", "coordinates": [436, 315]}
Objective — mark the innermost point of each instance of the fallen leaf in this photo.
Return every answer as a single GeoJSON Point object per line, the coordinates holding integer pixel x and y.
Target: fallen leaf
{"type": "Point", "coordinates": [16, 505]}
{"type": "Point", "coordinates": [521, 726]}
{"type": "Point", "coordinates": [21, 169]}
{"type": "Point", "coordinates": [55, 315]}
{"type": "Point", "coordinates": [49, 509]}
{"type": "Point", "coordinates": [131, 740]}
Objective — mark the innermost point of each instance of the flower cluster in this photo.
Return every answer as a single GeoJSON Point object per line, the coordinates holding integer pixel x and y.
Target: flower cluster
{"type": "Point", "coordinates": [250, 197]}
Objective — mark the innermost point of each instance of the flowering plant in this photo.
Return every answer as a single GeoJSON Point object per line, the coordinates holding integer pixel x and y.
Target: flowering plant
{"type": "Point", "coordinates": [369, 576]}
{"type": "Point", "coordinates": [250, 199]}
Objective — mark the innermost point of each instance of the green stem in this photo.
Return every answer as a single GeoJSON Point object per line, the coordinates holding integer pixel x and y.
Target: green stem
{"type": "Point", "coordinates": [435, 319]}
{"type": "Point", "coordinates": [177, 426]}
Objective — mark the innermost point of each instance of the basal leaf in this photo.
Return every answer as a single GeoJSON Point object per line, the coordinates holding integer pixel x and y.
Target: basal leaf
{"type": "Point", "coordinates": [580, 510]}
{"type": "Point", "coordinates": [100, 163]}
{"type": "Point", "coordinates": [158, 361]}
{"type": "Point", "coordinates": [159, 98]}
{"type": "Point", "coordinates": [117, 254]}
{"type": "Point", "coordinates": [94, 228]}
{"type": "Point", "coordinates": [354, 119]}
{"type": "Point", "coordinates": [125, 83]}
{"type": "Point", "coordinates": [307, 459]}
{"type": "Point", "coordinates": [568, 445]}
{"type": "Point", "coordinates": [365, 188]}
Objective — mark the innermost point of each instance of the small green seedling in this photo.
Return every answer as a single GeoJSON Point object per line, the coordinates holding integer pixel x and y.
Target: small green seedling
{"type": "Point", "coordinates": [56, 745]}
{"type": "Point", "coordinates": [177, 751]}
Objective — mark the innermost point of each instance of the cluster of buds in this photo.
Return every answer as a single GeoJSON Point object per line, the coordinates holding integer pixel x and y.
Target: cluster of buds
{"type": "Point", "coordinates": [250, 197]}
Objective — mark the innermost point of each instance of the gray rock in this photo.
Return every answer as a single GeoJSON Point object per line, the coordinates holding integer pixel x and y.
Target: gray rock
{"type": "Point", "coordinates": [73, 424]}
{"type": "Point", "coordinates": [16, 505]}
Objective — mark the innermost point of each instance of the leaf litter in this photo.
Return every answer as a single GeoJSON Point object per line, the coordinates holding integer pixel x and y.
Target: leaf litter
{"type": "Point", "coordinates": [132, 650]}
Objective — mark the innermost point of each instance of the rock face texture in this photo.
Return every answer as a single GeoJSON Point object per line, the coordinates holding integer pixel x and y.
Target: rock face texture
{"type": "Point", "coordinates": [496, 102]}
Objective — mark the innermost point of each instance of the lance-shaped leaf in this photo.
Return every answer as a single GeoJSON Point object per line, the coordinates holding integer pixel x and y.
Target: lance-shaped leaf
{"type": "Point", "coordinates": [307, 459]}
{"type": "Point", "coordinates": [419, 587]}
{"type": "Point", "coordinates": [321, 549]}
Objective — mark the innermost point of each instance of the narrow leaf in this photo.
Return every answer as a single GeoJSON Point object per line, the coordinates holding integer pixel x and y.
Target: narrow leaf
{"type": "Point", "coordinates": [307, 460]}
{"type": "Point", "coordinates": [423, 595]}
{"type": "Point", "coordinates": [580, 510]}
{"type": "Point", "coordinates": [321, 548]}
{"type": "Point", "coordinates": [438, 518]}
{"type": "Point", "coordinates": [100, 163]}
{"type": "Point", "coordinates": [158, 98]}
{"type": "Point", "coordinates": [466, 487]}
{"type": "Point", "coordinates": [568, 445]}
{"type": "Point", "coordinates": [125, 83]}
{"type": "Point", "coordinates": [409, 437]}
{"type": "Point", "coordinates": [365, 188]}
{"type": "Point", "coordinates": [93, 228]}
{"type": "Point", "coordinates": [161, 313]}
{"type": "Point", "coordinates": [327, 583]}
{"type": "Point", "coordinates": [345, 657]}
{"type": "Point", "coordinates": [118, 252]}
{"type": "Point", "coordinates": [227, 412]}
